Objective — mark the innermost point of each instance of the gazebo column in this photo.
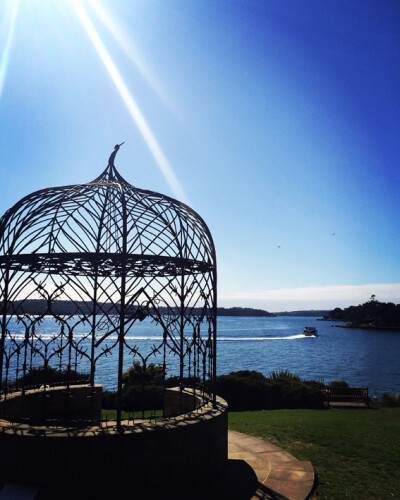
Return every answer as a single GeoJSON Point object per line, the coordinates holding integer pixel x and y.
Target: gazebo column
{"type": "Point", "coordinates": [122, 312]}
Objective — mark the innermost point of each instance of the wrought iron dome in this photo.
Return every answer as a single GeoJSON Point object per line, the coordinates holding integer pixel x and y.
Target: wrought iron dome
{"type": "Point", "coordinates": [115, 254]}
{"type": "Point", "coordinates": [102, 227]}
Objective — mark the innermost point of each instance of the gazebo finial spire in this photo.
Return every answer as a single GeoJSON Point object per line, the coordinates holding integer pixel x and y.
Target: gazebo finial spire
{"type": "Point", "coordinates": [113, 155]}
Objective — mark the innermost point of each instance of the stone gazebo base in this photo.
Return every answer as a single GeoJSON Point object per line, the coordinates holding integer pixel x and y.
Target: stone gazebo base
{"type": "Point", "coordinates": [151, 459]}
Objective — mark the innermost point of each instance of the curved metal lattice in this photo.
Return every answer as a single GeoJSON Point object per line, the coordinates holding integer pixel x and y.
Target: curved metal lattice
{"type": "Point", "coordinates": [99, 258]}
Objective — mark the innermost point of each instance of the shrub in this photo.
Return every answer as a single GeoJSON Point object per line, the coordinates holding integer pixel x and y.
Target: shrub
{"type": "Point", "coordinates": [174, 381]}
{"type": "Point", "coordinates": [142, 387]}
{"type": "Point", "coordinates": [250, 390]}
{"type": "Point", "coordinates": [109, 400]}
{"type": "Point", "coordinates": [284, 375]}
{"type": "Point", "coordinates": [139, 374]}
{"type": "Point", "coordinates": [135, 397]}
{"type": "Point", "coordinates": [250, 375]}
{"type": "Point", "coordinates": [40, 375]}
{"type": "Point", "coordinates": [242, 392]}
{"type": "Point", "coordinates": [390, 400]}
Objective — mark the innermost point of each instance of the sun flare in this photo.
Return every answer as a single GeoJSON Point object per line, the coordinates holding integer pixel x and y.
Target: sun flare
{"type": "Point", "coordinates": [5, 55]}
{"type": "Point", "coordinates": [130, 103]}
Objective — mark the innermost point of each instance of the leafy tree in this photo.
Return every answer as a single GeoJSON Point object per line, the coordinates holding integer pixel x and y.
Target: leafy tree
{"type": "Point", "coordinates": [139, 374]}
{"type": "Point", "coordinates": [143, 387]}
{"type": "Point", "coordinates": [370, 314]}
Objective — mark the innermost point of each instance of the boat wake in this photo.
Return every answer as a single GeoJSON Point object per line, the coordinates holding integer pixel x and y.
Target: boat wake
{"type": "Point", "coordinates": [259, 339]}
{"type": "Point", "coordinates": [159, 338]}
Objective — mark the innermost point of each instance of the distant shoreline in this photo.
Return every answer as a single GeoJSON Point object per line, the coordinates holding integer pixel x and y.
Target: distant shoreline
{"type": "Point", "coordinates": [368, 327]}
{"type": "Point", "coordinates": [70, 307]}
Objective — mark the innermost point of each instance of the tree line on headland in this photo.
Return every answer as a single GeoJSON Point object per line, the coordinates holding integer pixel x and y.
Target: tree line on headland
{"type": "Point", "coordinates": [372, 314]}
{"type": "Point", "coordinates": [69, 308]}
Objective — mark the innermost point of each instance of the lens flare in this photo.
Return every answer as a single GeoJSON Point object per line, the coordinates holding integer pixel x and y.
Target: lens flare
{"type": "Point", "coordinates": [130, 103]}
{"type": "Point", "coordinates": [131, 51]}
{"type": "Point", "coordinates": [5, 56]}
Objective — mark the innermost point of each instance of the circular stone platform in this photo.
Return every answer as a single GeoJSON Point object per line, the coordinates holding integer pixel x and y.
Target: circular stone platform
{"type": "Point", "coordinates": [144, 459]}
{"type": "Point", "coordinates": [184, 458]}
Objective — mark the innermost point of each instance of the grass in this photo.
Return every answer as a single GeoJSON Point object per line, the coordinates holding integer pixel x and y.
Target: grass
{"type": "Point", "coordinates": [355, 452]}
{"type": "Point", "coordinates": [112, 414]}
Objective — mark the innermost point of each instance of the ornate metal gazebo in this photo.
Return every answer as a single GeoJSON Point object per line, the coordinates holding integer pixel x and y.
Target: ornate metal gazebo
{"type": "Point", "coordinates": [96, 259]}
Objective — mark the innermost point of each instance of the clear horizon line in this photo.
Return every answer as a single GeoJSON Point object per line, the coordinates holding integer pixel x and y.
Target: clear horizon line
{"type": "Point", "coordinates": [317, 294]}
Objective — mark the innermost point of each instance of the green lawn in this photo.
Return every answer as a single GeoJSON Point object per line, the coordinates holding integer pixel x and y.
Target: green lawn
{"type": "Point", "coordinates": [112, 414]}
{"type": "Point", "coordinates": [355, 452]}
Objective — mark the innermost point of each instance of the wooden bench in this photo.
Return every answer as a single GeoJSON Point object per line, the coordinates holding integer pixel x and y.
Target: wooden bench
{"type": "Point", "coordinates": [347, 394]}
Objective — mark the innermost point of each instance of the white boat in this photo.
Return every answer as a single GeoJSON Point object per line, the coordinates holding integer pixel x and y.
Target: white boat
{"type": "Point", "coordinates": [310, 331]}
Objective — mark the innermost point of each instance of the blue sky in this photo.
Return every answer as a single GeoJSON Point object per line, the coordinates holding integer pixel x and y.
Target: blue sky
{"type": "Point", "coordinates": [278, 122]}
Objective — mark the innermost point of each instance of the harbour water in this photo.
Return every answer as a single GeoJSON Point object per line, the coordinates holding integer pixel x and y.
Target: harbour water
{"type": "Point", "coordinates": [363, 358]}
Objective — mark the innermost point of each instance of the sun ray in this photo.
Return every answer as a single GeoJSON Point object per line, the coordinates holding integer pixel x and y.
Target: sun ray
{"type": "Point", "coordinates": [131, 51]}
{"type": "Point", "coordinates": [130, 103]}
{"type": "Point", "coordinates": [5, 56]}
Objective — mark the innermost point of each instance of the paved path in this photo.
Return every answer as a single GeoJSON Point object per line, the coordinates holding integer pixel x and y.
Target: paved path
{"type": "Point", "coordinates": [279, 474]}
